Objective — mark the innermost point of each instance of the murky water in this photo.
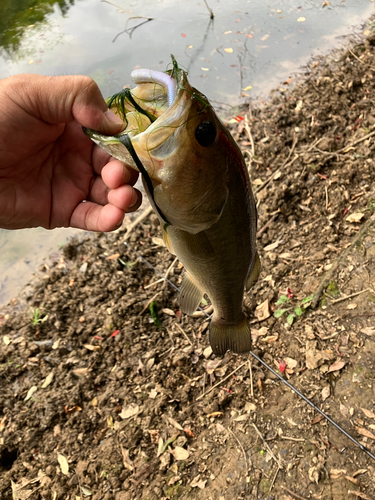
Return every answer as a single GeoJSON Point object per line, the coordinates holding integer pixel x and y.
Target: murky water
{"type": "Point", "coordinates": [249, 48]}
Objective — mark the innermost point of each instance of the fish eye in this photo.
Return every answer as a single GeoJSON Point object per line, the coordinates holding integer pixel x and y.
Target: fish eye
{"type": "Point", "coordinates": [205, 134]}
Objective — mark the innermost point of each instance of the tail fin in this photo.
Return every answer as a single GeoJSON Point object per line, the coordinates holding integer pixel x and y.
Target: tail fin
{"type": "Point", "coordinates": [230, 336]}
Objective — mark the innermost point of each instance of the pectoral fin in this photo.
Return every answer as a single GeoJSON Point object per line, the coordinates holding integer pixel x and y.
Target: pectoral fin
{"type": "Point", "coordinates": [198, 245]}
{"type": "Point", "coordinates": [190, 295]}
{"type": "Point", "coordinates": [226, 336]}
{"type": "Point", "coordinates": [254, 273]}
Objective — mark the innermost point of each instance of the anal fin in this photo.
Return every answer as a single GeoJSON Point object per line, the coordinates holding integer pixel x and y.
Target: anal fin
{"type": "Point", "coordinates": [254, 274]}
{"type": "Point", "coordinates": [235, 337]}
{"type": "Point", "coordinates": [190, 295]}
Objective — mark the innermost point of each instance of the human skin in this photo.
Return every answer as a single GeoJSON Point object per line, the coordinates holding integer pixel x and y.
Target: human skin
{"type": "Point", "coordinates": [51, 174]}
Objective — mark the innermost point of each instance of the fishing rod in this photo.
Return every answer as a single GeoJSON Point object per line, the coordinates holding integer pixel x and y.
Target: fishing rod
{"type": "Point", "coordinates": [343, 431]}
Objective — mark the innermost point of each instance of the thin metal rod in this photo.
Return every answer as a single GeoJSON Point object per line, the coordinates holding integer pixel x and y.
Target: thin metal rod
{"type": "Point", "coordinates": [363, 448]}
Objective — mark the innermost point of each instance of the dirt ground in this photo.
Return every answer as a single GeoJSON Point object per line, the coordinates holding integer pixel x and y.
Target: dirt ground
{"type": "Point", "coordinates": [108, 392]}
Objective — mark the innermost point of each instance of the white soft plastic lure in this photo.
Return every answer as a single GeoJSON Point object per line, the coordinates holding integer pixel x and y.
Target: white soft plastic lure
{"type": "Point", "coordinates": [150, 76]}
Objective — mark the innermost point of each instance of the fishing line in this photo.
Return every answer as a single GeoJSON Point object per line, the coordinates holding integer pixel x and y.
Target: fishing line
{"type": "Point", "coordinates": [357, 443]}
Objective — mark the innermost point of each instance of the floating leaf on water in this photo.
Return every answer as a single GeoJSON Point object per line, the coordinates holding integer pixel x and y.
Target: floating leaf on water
{"type": "Point", "coordinates": [301, 19]}
{"type": "Point", "coordinates": [227, 32]}
{"type": "Point", "coordinates": [63, 462]}
{"type": "Point", "coordinates": [248, 87]}
{"type": "Point", "coordinates": [30, 392]}
{"type": "Point", "coordinates": [229, 50]}
{"type": "Point", "coordinates": [183, 35]}
{"type": "Point", "coordinates": [205, 69]}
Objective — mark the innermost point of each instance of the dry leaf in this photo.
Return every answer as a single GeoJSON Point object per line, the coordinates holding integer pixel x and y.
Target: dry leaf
{"type": "Point", "coordinates": [207, 352]}
{"type": "Point", "coordinates": [365, 432]}
{"type": "Point", "coordinates": [175, 424]}
{"type": "Point", "coordinates": [114, 256]}
{"type": "Point", "coordinates": [291, 363]}
{"type": "Point", "coordinates": [215, 414]}
{"type": "Point", "coordinates": [301, 19]}
{"type": "Point", "coordinates": [48, 380]}
{"type": "Point", "coordinates": [229, 50]}
{"type": "Point", "coordinates": [81, 371]}
{"type": "Point", "coordinates": [368, 413]}
{"type": "Point", "coordinates": [128, 464]}
{"type": "Point", "coordinates": [336, 473]}
{"type": "Point", "coordinates": [262, 311]}
{"type": "Point", "coordinates": [129, 411]}
{"type": "Point", "coordinates": [351, 306]}
{"type": "Point", "coordinates": [169, 312]}
{"type": "Point", "coordinates": [92, 347]}
{"type": "Point", "coordinates": [272, 246]}
{"type": "Point", "coordinates": [368, 331]}
{"type": "Point", "coordinates": [213, 364]}
{"type": "Point", "coordinates": [3, 423]}
{"type": "Point", "coordinates": [326, 392]}
{"type": "Point", "coordinates": [158, 241]}
{"type": "Point", "coordinates": [336, 366]}
{"type": "Point", "coordinates": [270, 339]}
{"type": "Point", "coordinates": [198, 483]}
{"type": "Point", "coordinates": [180, 453]}
{"type": "Point", "coordinates": [30, 392]}
{"type": "Point", "coordinates": [6, 340]}
{"type": "Point", "coordinates": [63, 462]}
{"type": "Point", "coordinates": [355, 217]}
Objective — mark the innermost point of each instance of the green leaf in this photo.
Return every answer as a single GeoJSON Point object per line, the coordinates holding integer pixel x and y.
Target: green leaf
{"type": "Point", "coordinates": [153, 308]}
{"type": "Point", "coordinates": [290, 319]}
{"type": "Point", "coordinates": [283, 299]}
{"type": "Point", "coordinates": [307, 299]}
{"type": "Point", "coordinates": [299, 311]}
{"type": "Point", "coordinates": [279, 312]}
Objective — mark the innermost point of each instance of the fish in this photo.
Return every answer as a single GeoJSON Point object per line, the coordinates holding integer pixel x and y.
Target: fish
{"type": "Point", "coordinates": [197, 182]}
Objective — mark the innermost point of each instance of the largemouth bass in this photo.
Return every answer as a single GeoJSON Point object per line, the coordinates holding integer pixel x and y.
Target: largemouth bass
{"type": "Point", "coordinates": [196, 179]}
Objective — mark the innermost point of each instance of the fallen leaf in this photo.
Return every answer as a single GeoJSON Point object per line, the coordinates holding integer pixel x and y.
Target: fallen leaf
{"type": "Point", "coordinates": [207, 352]}
{"type": "Point", "coordinates": [30, 392]}
{"type": "Point", "coordinates": [227, 32]}
{"type": "Point", "coordinates": [270, 339]}
{"type": "Point", "coordinates": [6, 340]}
{"type": "Point", "coordinates": [336, 366]}
{"type": "Point", "coordinates": [205, 69]}
{"type": "Point", "coordinates": [355, 217]}
{"type": "Point", "coordinates": [168, 312]}
{"type": "Point", "coordinates": [365, 432]}
{"type": "Point", "coordinates": [351, 306]}
{"type": "Point", "coordinates": [248, 87]}
{"type": "Point", "coordinates": [264, 38]}
{"type": "Point", "coordinates": [113, 256]}
{"type": "Point", "coordinates": [198, 483]}
{"type": "Point", "coordinates": [129, 411]}
{"type": "Point", "coordinates": [183, 35]}
{"type": "Point", "coordinates": [215, 414]}
{"type": "Point", "coordinates": [180, 453]}
{"type": "Point", "coordinates": [368, 413]}
{"type": "Point", "coordinates": [81, 371]}
{"type": "Point", "coordinates": [326, 392]}
{"type": "Point", "coordinates": [48, 380]}
{"type": "Point", "coordinates": [175, 424]}
{"type": "Point", "coordinates": [336, 473]}
{"type": "Point", "coordinates": [128, 464]}
{"type": "Point", "coordinates": [262, 311]}
{"type": "Point", "coordinates": [63, 462]}
{"type": "Point", "coordinates": [229, 50]}
{"type": "Point", "coordinates": [158, 241]}
{"type": "Point", "coordinates": [291, 363]}
{"type": "Point", "coordinates": [301, 19]}
{"type": "Point", "coordinates": [92, 347]}
{"type": "Point", "coordinates": [368, 331]}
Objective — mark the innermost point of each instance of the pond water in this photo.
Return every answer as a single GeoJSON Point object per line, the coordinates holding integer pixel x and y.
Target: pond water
{"type": "Point", "coordinates": [246, 50]}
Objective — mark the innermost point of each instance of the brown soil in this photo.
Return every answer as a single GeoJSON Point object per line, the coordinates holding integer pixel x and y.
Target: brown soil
{"type": "Point", "coordinates": [122, 387]}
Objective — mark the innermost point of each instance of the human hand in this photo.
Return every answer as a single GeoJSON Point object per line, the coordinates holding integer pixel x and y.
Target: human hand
{"type": "Point", "coordinates": [51, 174]}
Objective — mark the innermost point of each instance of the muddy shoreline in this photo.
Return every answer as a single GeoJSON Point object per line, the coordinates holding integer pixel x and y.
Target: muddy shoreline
{"type": "Point", "coordinates": [100, 400]}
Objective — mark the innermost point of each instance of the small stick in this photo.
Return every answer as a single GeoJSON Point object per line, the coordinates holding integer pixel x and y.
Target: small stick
{"type": "Point", "coordinates": [360, 60]}
{"type": "Point", "coordinates": [251, 379]}
{"type": "Point", "coordinates": [221, 381]}
{"type": "Point", "coordinates": [153, 283]}
{"type": "Point", "coordinates": [184, 334]}
{"type": "Point", "coordinates": [266, 445]}
{"type": "Point", "coordinates": [205, 312]}
{"type": "Point", "coordinates": [349, 296]}
{"type": "Point", "coordinates": [274, 478]}
{"type": "Point", "coordinates": [242, 448]}
{"type": "Point", "coordinates": [293, 494]}
{"type": "Point", "coordinates": [359, 494]}
{"type": "Point", "coordinates": [261, 231]}
{"type": "Point", "coordinates": [209, 10]}
{"type": "Point", "coordinates": [168, 271]}
{"type": "Point", "coordinates": [289, 438]}
{"type": "Point", "coordinates": [148, 303]}
{"type": "Point", "coordinates": [327, 201]}
{"type": "Point", "coordinates": [139, 219]}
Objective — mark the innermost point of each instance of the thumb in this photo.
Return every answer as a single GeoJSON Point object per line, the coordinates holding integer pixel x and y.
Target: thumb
{"type": "Point", "coordinates": [61, 99]}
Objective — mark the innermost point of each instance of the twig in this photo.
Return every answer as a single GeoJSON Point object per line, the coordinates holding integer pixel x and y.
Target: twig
{"type": "Point", "coordinates": [261, 231]}
{"type": "Point", "coordinates": [289, 438]}
{"type": "Point", "coordinates": [327, 201]}
{"type": "Point", "coordinates": [149, 302]}
{"type": "Point", "coordinates": [335, 265]}
{"type": "Point", "coordinates": [251, 379]}
{"type": "Point", "coordinates": [121, 10]}
{"type": "Point", "coordinates": [359, 494]}
{"type": "Point", "coordinates": [293, 494]}
{"type": "Point", "coordinates": [242, 448]}
{"type": "Point", "coordinates": [184, 334]}
{"type": "Point", "coordinates": [139, 219]}
{"type": "Point", "coordinates": [168, 271]}
{"type": "Point", "coordinates": [221, 381]}
{"type": "Point", "coordinates": [358, 59]}
{"type": "Point", "coordinates": [344, 149]}
{"type": "Point", "coordinates": [266, 445]}
{"type": "Point", "coordinates": [201, 314]}
{"type": "Point", "coordinates": [349, 296]}
{"type": "Point", "coordinates": [262, 186]}
{"type": "Point", "coordinates": [274, 478]}
{"type": "Point", "coordinates": [209, 10]}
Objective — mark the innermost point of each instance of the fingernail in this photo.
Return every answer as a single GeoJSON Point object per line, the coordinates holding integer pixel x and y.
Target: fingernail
{"type": "Point", "coordinates": [134, 199]}
{"type": "Point", "coordinates": [113, 118]}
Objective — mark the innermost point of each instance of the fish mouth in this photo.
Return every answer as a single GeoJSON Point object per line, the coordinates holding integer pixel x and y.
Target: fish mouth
{"type": "Point", "coordinates": [151, 112]}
